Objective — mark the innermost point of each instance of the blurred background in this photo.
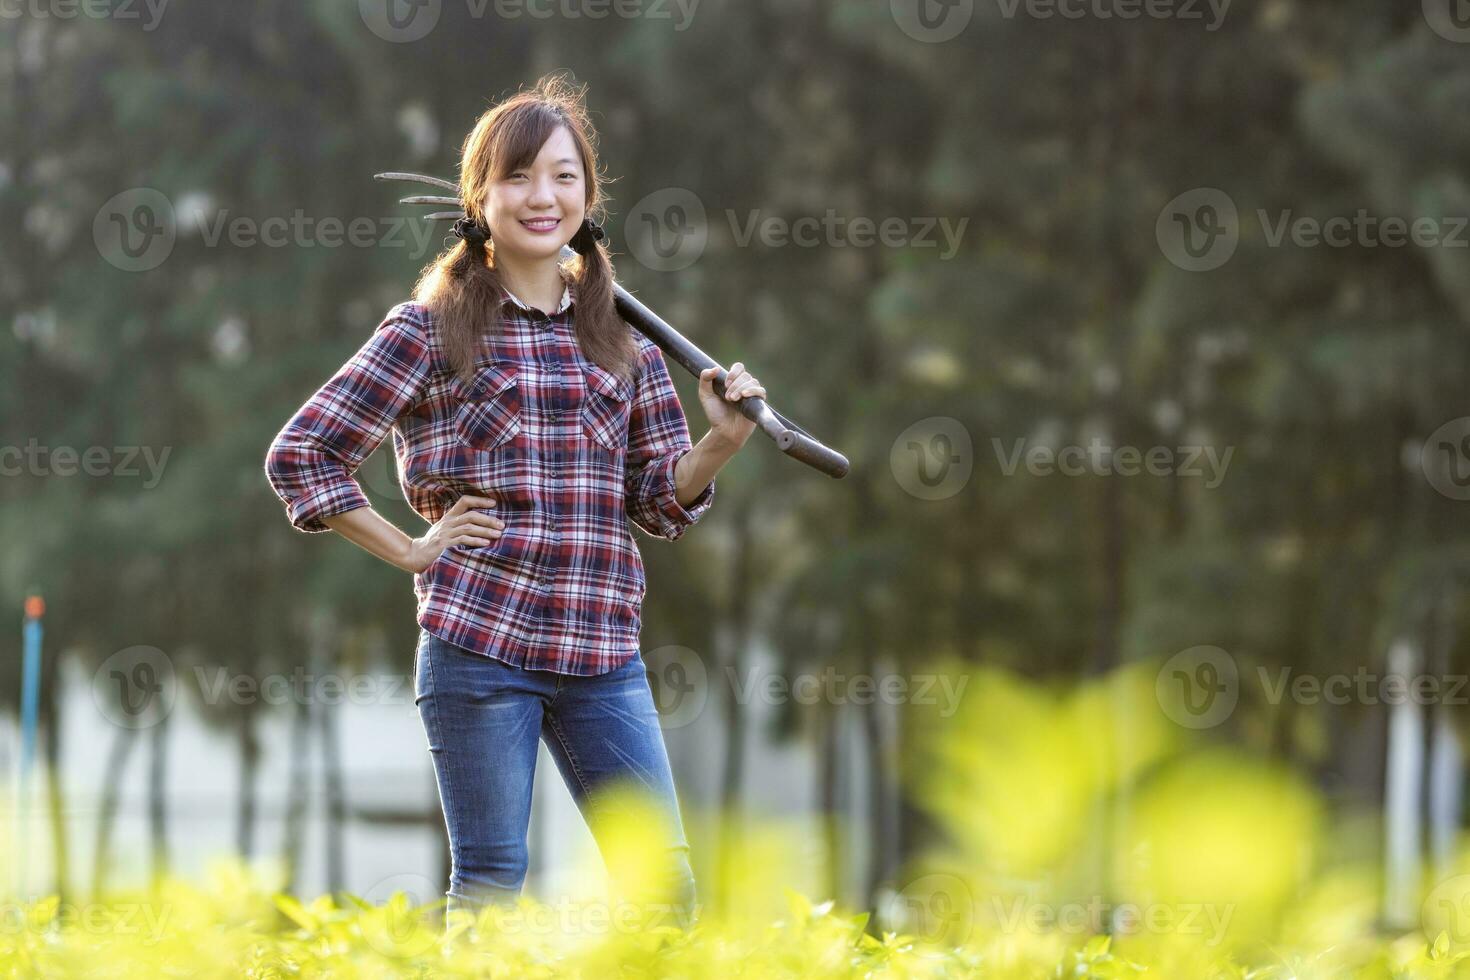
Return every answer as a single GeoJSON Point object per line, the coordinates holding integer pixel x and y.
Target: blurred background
{"type": "Point", "coordinates": [1142, 322]}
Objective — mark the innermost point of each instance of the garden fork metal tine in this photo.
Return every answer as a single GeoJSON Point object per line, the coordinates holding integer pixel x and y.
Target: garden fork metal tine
{"type": "Point", "coordinates": [428, 199]}
{"type": "Point", "coordinates": [421, 178]}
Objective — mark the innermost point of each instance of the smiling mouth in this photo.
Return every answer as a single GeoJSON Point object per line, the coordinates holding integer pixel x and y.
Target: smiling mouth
{"type": "Point", "coordinates": [542, 224]}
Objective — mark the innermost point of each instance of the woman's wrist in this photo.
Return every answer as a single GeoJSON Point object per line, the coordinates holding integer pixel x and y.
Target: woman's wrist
{"type": "Point", "coordinates": [372, 532]}
{"type": "Point", "coordinates": [696, 468]}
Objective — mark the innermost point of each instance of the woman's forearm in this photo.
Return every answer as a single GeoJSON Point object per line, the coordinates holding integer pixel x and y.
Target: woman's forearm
{"type": "Point", "coordinates": [373, 532]}
{"type": "Point", "coordinates": [698, 467]}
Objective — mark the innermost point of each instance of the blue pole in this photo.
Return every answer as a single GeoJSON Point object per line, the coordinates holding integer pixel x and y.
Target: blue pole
{"type": "Point", "coordinates": [30, 701]}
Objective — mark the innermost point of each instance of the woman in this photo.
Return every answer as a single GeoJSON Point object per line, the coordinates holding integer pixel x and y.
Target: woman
{"type": "Point", "coordinates": [530, 424]}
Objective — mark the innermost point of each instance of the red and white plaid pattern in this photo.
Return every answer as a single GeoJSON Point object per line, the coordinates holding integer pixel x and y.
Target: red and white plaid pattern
{"type": "Point", "coordinates": [569, 451]}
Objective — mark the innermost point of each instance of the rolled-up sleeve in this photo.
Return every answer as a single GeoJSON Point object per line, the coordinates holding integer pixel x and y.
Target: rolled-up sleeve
{"type": "Point", "coordinates": [311, 461]}
{"type": "Point", "coordinates": [658, 435]}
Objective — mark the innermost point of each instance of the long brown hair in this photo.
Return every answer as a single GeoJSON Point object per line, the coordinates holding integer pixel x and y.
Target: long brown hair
{"type": "Point", "coordinates": [461, 287]}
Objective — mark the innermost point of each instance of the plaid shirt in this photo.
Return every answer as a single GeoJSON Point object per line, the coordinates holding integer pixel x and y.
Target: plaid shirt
{"type": "Point", "coordinates": [569, 451]}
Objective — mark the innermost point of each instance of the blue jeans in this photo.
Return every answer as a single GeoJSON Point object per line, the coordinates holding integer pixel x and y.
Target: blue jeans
{"type": "Point", "coordinates": [484, 718]}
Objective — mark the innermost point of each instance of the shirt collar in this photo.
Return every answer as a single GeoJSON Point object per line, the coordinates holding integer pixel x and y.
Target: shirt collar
{"type": "Point", "coordinates": [566, 299]}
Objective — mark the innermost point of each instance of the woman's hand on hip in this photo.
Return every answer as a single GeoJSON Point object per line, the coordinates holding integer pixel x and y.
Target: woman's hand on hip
{"type": "Point", "coordinates": [464, 523]}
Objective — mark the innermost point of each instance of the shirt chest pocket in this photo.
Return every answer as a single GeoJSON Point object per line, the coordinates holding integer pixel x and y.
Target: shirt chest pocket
{"type": "Point", "coordinates": [606, 408]}
{"type": "Point", "coordinates": [489, 414]}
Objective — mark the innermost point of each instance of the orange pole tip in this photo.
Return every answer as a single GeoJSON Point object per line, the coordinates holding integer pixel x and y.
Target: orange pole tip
{"type": "Point", "coordinates": [35, 607]}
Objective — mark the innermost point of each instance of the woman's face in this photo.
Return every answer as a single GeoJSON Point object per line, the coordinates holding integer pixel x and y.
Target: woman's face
{"type": "Point", "coordinates": [534, 211]}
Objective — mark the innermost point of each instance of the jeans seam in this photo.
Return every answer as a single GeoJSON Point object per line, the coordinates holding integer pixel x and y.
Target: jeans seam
{"type": "Point", "coordinates": [572, 758]}
{"type": "Point", "coordinates": [434, 720]}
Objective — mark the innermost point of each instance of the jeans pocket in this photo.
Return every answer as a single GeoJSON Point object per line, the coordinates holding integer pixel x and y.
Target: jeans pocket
{"type": "Point", "coordinates": [423, 674]}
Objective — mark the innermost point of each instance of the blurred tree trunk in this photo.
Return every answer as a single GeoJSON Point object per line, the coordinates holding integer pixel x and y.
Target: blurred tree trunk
{"type": "Point", "coordinates": [1446, 755]}
{"type": "Point", "coordinates": [325, 641]}
{"type": "Point", "coordinates": [249, 748]}
{"type": "Point", "coordinates": [880, 783]}
{"type": "Point", "coordinates": [117, 759]}
{"type": "Point", "coordinates": [158, 799]}
{"type": "Point", "coordinates": [56, 801]}
{"type": "Point", "coordinates": [336, 798]}
{"type": "Point", "coordinates": [732, 770]}
{"type": "Point", "coordinates": [829, 767]}
{"type": "Point", "coordinates": [297, 789]}
{"type": "Point", "coordinates": [1403, 791]}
